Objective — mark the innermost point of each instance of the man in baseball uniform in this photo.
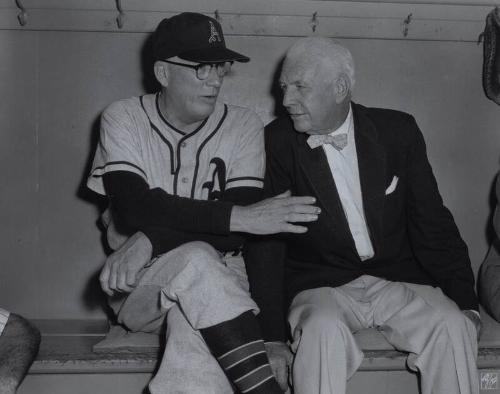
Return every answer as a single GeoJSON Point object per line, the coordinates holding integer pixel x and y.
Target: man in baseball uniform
{"type": "Point", "coordinates": [19, 343]}
{"type": "Point", "coordinates": [183, 172]}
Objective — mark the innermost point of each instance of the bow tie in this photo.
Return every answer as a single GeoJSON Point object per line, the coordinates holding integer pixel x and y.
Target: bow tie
{"type": "Point", "coordinates": [338, 141]}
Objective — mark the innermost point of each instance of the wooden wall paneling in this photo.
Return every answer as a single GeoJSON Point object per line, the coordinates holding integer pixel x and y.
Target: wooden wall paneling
{"type": "Point", "coordinates": [444, 21]}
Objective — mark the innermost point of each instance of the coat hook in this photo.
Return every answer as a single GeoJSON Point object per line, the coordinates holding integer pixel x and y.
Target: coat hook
{"type": "Point", "coordinates": [406, 24]}
{"type": "Point", "coordinates": [480, 38]}
{"type": "Point", "coordinates": [217, 15]}
{"type": "Point", "coordinates": [314, 21]}
{"type": "Point", "coordinates": [22, 17]}
{"type": "Point", "coordinates": [121, 14]}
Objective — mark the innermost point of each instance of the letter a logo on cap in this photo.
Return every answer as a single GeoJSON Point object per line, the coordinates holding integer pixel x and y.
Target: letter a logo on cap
{"type": "Point", "coordinates": [214, 35]}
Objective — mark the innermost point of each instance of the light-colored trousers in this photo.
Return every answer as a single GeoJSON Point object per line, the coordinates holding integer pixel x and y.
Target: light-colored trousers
{"type": "Point", "coordinates": [421, 320]}
{"type": "Point", "coordinates": [196, 287]}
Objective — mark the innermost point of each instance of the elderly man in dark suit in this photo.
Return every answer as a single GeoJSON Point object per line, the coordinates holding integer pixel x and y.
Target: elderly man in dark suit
{"type": "Point", "coordinates": [385, 251]}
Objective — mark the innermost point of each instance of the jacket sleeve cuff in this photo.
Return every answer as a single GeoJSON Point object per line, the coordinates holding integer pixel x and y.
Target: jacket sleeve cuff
{"type": "Point", "coordinates": [273, 330]}
{"type": "Point", "coordinates": [465, 297]}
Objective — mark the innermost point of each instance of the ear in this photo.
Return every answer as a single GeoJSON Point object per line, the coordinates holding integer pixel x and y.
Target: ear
{"type": "Point", "coordinates": [342, 87]}
{"type": "Point", "coordinates": [161, 73]}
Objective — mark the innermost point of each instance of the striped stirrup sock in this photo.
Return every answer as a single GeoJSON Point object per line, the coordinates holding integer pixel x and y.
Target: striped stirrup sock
{"type": "Point", "coordinates": [239, 348]}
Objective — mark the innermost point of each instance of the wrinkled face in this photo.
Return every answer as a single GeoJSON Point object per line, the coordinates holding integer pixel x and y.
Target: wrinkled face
{"type": "Point", "coordinates": [190, 98]}
{"type": "Point", "coordinates": [308, 95]}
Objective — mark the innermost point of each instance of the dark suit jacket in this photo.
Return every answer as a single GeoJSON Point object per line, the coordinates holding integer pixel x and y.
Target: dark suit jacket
{"type": "Point", "coordinates": [414, 236]}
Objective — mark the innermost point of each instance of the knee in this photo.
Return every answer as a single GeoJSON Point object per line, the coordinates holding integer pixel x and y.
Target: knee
{"type": "Point", "coordinates": [18, 328]}
{"type": "Point", "coordinates": [317, 321]}
{"type": "Point", "coordinates": [321, 329]}
{"type": "Point", "coordinates": [19, 344]}
{"type": "Point", "coordinates": [451, 317]}
{"type": "Point", "coordinates": [200, 255]}
{"type": "Point", "coordinates": [177, 322]}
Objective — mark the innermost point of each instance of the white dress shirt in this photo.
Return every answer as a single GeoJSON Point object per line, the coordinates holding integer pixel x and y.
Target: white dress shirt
{"type": "Point", "coordinates": [344, 167]}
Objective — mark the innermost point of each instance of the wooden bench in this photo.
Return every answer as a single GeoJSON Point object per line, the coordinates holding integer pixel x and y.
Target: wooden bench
{"type": "Point", "coordinates": [67, 364]}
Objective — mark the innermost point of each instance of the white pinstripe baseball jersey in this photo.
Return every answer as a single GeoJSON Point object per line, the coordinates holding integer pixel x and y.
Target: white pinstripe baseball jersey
{"type": "Point", "coordinates": [4, 316]}
{"type": "Point", "coordinates": [226, 151]}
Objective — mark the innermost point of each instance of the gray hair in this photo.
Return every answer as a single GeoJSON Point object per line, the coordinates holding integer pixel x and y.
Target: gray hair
{"type": "Point", "coordinates": [312, 50]}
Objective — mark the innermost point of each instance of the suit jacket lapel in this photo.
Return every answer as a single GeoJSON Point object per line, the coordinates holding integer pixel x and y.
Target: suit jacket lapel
{"type": "Point", "coordinates": [372, 168]}
{"type": "Point", "coordinates": [315, 166]}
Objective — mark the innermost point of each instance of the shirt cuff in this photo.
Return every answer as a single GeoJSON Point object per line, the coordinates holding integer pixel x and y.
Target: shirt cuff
{"type": "Point", "coordinates": [476, 312]}
{"type": "Point", "coordinates": [221, 218]}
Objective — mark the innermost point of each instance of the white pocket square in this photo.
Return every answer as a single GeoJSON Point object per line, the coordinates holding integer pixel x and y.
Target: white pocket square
{"type": "Point", "coordinates": [392, 186]}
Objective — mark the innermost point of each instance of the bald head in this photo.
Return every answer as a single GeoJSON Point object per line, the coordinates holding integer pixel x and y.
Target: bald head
{"type": "Point", "coordinates": [323, 53]}
{"type": "Point", "coordinates": [317, 78]}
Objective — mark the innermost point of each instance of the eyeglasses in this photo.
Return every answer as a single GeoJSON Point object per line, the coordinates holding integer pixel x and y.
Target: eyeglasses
{"type": "Point", "coordinates": [203, 70]}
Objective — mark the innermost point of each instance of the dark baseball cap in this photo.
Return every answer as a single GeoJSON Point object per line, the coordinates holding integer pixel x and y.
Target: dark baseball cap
{"type": "Point", "coordinates": [194, 37]}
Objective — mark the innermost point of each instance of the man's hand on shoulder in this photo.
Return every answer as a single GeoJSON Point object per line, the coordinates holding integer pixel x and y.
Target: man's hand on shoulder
{"type": "Point", "coordinates": [476, 319]}
{"type": "Point", "coordinates": [280, 358]}
{"type": "Point", "coordinates": [120, 270]}
{"type": "Point", "coordinates": [275, 215]}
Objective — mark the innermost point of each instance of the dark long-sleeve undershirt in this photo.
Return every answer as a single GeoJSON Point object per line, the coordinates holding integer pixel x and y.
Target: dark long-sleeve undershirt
{"type": "Point", "coordinates": [170, 221]}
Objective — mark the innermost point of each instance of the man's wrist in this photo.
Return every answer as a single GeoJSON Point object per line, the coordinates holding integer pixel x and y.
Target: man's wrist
{"type": "Point", "coordinates": [145, 242]}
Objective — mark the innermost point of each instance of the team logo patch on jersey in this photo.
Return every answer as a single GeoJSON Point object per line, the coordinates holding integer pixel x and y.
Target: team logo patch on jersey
{"type": "Point", "coordinates": [217, 185]}
{"type": "Point", "coordinates": [214, 34]}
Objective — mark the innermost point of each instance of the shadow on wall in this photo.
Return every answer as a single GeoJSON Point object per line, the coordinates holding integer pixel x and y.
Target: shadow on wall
{"type": "Point", "coordinates": [93, 296]}
{"type": "Point", "coordinates": [276, 92]}
{"type": "Point", "coordinates": [149, 82]}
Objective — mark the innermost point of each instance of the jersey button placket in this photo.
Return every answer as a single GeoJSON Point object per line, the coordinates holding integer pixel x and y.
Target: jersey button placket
{"type": "Point", "coordinates": [184, 179]}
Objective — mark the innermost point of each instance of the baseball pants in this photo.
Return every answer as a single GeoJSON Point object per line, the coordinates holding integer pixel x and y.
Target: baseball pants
{"type": "Point", "coordinates": [196, 287]}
